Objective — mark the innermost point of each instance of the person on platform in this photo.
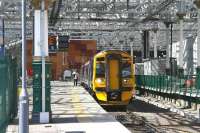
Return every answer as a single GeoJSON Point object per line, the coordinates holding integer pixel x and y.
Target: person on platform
{"type": "Point", "coordinates": [75, 74]}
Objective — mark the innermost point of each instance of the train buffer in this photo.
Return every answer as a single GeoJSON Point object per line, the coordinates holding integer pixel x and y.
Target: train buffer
{"type": "Point", "coordinates": [74, 111]}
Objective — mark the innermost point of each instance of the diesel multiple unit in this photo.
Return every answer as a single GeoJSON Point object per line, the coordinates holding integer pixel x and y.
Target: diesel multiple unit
{"type": "Point", "coordinates": [109, 77]}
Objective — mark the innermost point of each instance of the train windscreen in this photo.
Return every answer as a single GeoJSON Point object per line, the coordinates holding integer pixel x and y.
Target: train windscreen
{"type": "Point", "coordinates": [100, 70]}
{"type": "Point", "coordinates": [126, 70]}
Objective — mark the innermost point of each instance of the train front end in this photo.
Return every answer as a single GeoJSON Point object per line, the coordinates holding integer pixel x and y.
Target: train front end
{"type": "Point", "coordinates": [113, 79]}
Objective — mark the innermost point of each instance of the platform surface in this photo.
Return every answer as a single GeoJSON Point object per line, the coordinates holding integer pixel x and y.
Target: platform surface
{"type": "Point", "coordinates": [74, 111]}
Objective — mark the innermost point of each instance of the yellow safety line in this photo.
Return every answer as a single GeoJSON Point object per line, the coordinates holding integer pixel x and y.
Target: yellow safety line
{"type": "Point", "coordinates": [78, 108]}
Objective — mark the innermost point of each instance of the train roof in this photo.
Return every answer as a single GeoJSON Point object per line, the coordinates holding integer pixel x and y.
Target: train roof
{"type": "Point", "coordinates": [106, 51]}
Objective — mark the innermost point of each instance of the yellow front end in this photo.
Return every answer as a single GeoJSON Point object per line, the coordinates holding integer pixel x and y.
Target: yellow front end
{"type": "Point", "coordinates": [123, 86]}
{"type": "Point", "coordinates": [129, 89]}
{"type": "Point", "coordinates": [100, 86]}
{"type": "Point", "coordinates": [99, 81]}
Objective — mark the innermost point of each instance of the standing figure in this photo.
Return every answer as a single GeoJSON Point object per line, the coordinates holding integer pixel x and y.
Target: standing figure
{"type": "Point", "coordinates": [75, 74]}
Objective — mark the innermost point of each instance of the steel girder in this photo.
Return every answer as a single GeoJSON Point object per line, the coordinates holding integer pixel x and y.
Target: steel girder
{"type": "Point", "coordinates": [107, 21]}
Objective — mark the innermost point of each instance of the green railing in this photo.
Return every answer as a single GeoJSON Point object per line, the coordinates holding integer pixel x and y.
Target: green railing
{"type": "Point", "coordinates": [183, 85]}
{"type": "Point", "coordinates": [8, 91]}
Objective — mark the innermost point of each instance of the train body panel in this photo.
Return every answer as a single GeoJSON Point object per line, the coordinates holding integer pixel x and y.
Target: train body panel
{"type": "Point", "coordinates": [113, 73]}
{"type": "Point", "coordinates": [111, 77]}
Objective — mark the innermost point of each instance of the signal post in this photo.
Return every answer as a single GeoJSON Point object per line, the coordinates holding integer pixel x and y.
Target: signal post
{"type": "Point", "coordinates": [41, 65]}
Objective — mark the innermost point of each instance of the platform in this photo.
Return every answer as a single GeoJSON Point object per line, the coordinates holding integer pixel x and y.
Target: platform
{"type": "Point", "coordinates": [74, 111]}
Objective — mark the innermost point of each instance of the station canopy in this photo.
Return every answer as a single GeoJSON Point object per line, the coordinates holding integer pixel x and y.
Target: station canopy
{"type": "Point", "coordinates": [110, 22]}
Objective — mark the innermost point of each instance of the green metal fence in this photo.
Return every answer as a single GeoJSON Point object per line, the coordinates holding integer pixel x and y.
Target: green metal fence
{"type": "Point", "coordinates": [8, 91]}
{"type": "Point", "coordinates": [186, 85]}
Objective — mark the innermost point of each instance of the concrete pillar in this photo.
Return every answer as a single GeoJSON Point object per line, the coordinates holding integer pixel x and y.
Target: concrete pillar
{"type": "Point", "coordinates": [155, 45]}
{"type": "Point", "coordinates": [181, 44]}
{"type": "Point", "coordinates": [168, 47]}
{"type": "Point", "coordinates": [131, 49]}
{"type": "Point", "coordinates": [122, 47]}
{"type": "Point", "coordinates": [145, 44]}
{"type": "Point", "coordinates": [188, 56]}
{"type": "Point", "coordinates": [121, 43]}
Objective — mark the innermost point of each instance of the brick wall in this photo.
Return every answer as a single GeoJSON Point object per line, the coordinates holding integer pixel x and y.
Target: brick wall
{"type": "Point", "coordinates": [78, 53]}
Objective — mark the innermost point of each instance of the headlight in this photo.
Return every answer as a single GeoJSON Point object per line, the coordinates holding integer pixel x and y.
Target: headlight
{"type": "Point", "coordinates": [125, 80]}
{"type": "Point", "coordinates": [99, 80]}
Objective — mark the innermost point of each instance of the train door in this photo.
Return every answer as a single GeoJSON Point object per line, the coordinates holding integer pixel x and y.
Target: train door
{"type": "Point", "coordinates": [114, 73]}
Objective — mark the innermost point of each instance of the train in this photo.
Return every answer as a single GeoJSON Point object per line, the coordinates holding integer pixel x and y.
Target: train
{"type": "Point", "coordinates": [109, 77]}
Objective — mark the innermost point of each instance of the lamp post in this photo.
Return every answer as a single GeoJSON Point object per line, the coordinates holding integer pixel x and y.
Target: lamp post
{"type": "Point", "coordinates": [171, 64]}
{"type": "Point", "coordinates": [181, 13]}
{"type": "Point", "coordinates": [167, 23]}
{"type": "Point", "coordinates": [23, 98]}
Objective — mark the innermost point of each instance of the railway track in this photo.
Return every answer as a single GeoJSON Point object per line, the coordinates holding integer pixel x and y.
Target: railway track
{"type": "Point", "coordinates": [135, 123]}
{"type": "Point", "coordinates": [141, 117]}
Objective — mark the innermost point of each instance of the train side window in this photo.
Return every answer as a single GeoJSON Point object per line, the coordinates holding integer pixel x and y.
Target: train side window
{"type": "Point", "coordinates": [100, 70]}
{"type": "Point", "coordinates": [126, 70]}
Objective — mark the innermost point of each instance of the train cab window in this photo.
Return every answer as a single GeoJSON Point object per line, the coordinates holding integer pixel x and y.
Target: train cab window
{"type": "Point", "coordinates": [101, 59]}
{"type": "Point", "coordinates": [126, 70]}
{"type": "Point", "coordinates": [100, 70]}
